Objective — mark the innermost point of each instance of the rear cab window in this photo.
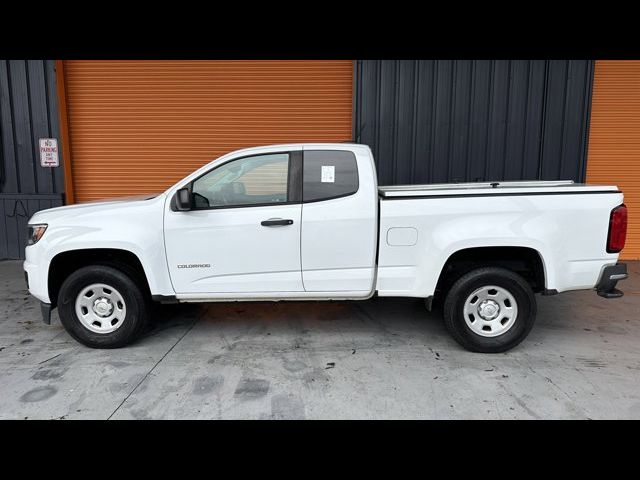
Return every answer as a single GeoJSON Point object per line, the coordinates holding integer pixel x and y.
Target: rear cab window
{"type": "Point", "coordinates": [328, 174]}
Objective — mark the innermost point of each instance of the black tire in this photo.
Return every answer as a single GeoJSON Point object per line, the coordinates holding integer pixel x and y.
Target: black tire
{"type": "Point", "coordinates": [454, 317]}
{"type": "Point", "coordinates": [134, 299]}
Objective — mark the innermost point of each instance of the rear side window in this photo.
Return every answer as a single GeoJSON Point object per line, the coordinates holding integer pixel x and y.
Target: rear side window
{"type": "Point", "coordinates": [329, 174]}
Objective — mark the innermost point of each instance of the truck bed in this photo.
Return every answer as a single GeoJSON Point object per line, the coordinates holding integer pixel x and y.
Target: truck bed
{"type": "Point", "coordinates": [566, 223]}
{"type": "Point", "coordinates": [490, 188]}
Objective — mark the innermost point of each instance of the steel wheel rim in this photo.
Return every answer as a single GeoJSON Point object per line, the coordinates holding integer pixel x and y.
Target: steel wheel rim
{"type": "Point", "coordinates": [490, 311]}
{"type": "Point", "coordinates": [100, 308]}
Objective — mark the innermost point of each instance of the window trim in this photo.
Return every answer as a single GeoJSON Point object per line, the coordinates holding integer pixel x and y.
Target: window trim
{"type": "Point", "coordinates": [294, 180]}
{"type": "Point", "coordinates": [324, 199]}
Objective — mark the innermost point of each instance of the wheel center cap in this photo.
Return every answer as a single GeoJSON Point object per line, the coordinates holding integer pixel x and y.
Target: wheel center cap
{"type": "Point", "coordinates": [488, 309]}
{"type": "Point", "coordinates": [103, 307]}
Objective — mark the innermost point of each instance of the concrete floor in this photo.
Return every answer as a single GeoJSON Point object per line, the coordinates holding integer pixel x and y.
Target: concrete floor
{"type": "Point", "coordinates": [385, 358]}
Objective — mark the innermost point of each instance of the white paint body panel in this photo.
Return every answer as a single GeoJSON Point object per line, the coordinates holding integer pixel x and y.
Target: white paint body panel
{"type": "Point", "coordinates": [339, 236]}
{"type": "Point", "coordinates": [330, 250]}
{"type": "Point", "coordinates": [568, 231]}
{"type": "Point", "coordinates": [134, 225]}
{"type": "Point", "coordinates": [242, 255]}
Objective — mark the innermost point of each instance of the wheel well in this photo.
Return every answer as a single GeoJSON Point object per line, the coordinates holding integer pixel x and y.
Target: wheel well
{"type": "Point", "coordinates": [65, 263]}
{"type": "Point", "coordinates": [522, 260]}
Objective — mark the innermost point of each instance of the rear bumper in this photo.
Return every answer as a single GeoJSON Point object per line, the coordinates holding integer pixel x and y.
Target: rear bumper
{"type": "Point", "coordinates": [611, 275]}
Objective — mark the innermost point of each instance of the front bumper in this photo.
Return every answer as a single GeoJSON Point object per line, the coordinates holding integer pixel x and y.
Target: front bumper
{"type": "Point", "coordinates": [45, 310]}
{"type": "Point", "coordinates": [45, 307]}
{"type": "Point", "coordinates": [36, 277]}
{"type": "Point", "coordinates": [611, 275]}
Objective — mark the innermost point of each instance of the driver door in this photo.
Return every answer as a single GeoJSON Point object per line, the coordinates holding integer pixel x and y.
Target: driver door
{"type": "Point", "coordinates": [242, 235]}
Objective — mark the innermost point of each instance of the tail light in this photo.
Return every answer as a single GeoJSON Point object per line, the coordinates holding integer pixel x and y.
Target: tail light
{"type": "Point", "coordinates": [617, 229]}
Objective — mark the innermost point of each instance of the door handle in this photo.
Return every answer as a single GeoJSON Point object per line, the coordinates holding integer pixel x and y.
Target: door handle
{"type": "Point", "coordinates": [276, 222]}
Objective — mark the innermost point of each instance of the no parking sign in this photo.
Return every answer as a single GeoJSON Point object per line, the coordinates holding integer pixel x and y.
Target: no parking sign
{"type": "Point", "coordinates": [49, 152]}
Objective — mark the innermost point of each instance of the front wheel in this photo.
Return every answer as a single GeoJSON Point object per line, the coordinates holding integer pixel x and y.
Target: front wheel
{"type": "Point", "coordinates": [490, 310]}
{"type": "Point", "coordinates": [102, 307]}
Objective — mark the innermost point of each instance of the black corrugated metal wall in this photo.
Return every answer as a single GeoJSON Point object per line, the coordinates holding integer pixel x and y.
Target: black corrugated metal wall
{"type": "Point", "coordinates": [426, 121]}
{"type": "Point", "coordinates": [28, 111]}
{"type": "Point", "coordinates": [477, 120]}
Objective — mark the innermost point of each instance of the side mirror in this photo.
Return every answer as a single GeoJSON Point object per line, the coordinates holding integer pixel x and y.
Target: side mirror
{"type": "Point", "coordinates": [183, 200]}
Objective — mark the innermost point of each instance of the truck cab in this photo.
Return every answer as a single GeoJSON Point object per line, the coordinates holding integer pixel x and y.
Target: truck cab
{"type": "Point", "coordinates": [283, 222]}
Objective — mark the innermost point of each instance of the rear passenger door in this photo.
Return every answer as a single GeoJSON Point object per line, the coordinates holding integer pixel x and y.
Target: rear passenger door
{"type": "Point", "coordinates": [339, 215]}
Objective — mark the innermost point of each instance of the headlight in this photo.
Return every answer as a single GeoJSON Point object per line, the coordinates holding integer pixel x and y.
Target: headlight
{"type": "Point", "coordinates": [35, 233]}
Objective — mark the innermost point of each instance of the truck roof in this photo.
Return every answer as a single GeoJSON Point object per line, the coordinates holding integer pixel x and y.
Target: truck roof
{"type": "Point", "coordinates": [290, 146]}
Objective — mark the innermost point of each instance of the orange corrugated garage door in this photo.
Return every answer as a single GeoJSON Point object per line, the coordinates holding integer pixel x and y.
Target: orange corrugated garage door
{"type": "Point", "coordinates": [139, 126]}
{"type": "Point", "coordinates": [614, 138]}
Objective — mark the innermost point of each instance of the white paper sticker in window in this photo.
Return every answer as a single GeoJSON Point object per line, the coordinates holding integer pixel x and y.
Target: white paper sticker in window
{"type": "Point", "coordinates": [328, 174]}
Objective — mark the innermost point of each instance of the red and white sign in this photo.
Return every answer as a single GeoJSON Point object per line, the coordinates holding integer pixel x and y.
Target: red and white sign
{"type": "Point", "coordinates": [49, 152]}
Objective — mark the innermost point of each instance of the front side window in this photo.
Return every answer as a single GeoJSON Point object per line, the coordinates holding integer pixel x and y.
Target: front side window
{"type": "Point", "coordinates": [257, 180]}
{"type": "Point", "coordinates": [329, 174]}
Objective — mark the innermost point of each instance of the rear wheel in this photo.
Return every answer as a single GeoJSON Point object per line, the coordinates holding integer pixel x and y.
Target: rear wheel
{"type": "Point", "coordinates": [490, 310]}
{"type": "Point", "coordinates": [102, 307]}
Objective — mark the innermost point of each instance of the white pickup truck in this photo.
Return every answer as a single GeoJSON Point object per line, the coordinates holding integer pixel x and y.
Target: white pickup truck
{"type": "Point", "coordinates": [309, 222]}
